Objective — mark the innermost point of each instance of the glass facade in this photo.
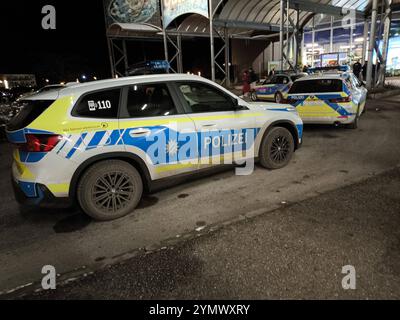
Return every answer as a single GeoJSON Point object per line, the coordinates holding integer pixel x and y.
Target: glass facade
{"type": "Point", "coordinates": [335, 44]}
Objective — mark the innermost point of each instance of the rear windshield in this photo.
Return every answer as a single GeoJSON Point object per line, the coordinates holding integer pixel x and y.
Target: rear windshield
{"type": "Point", "coordinates": [317, 85]}
{"type": "Point", "coordinates": [29, 112]}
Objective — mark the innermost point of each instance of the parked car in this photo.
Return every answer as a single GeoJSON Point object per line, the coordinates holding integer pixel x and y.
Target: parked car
{"type": "Point", "coordinates": [276, 87]}
{"type": "Point", "coordinates": [329, 98]}
{"type": "Point", "coordinates": [103, 143]}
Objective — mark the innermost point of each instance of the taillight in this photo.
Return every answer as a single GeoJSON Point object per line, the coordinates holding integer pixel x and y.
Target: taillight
{"type": "Point", "coordinates": [340, 100]}
{"type": "Point", "coordinates": [39, 143]}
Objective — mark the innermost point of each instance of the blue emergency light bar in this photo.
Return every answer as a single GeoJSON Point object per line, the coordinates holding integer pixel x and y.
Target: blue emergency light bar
{"type": "Point", "coordinates": [149, 67]}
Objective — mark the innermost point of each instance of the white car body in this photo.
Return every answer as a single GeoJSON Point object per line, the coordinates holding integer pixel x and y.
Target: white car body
{"type": "Point", "coordinates": [328, 107]}
{"type": "Point", "coordinates": [84, 140]}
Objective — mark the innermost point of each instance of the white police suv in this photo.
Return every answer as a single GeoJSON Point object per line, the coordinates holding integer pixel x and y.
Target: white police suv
{"type": "Point", "coordinates": [103, 143]}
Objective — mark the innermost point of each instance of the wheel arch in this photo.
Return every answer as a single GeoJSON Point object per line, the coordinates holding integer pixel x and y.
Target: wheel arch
{"type": "Point", "coordinates": [287, 124]}
{"type": "Point", "coordinates": [131, 158]}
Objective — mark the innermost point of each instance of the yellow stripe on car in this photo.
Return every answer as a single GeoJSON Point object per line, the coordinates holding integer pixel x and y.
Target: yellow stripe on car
{"type": "Point", "coordinates": [59, 188]}
{"type": "Point", "coordinates": [23, 170]}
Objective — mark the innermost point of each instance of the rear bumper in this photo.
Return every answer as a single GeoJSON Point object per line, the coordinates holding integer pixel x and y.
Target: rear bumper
{"type": "Point", "coordinates": [328, 120]}
{"type": "Point", "coordinates": [36, 194]}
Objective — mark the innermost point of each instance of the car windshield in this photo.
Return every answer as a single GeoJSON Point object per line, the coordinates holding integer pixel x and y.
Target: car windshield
{"type": "Point", "coordinates": [317, 86]}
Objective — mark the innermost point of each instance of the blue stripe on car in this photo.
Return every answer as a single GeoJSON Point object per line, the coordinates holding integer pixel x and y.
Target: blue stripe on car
{"type": "Point", "coordinates": [76, 146]}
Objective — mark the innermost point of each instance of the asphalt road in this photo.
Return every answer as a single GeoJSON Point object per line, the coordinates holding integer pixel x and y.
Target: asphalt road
{"type": "Point", "coordinates": [330, 159]}
{"type": "Point", "coordinates": [296, 252]}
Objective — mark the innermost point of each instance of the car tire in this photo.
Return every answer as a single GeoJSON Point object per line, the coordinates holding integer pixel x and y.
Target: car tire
{"type": "Point", "coordinates": [253, 96]}
{"type": "Point", "coordinates": [109, 190]}
{"type": "Point", "coordinates": [278, 97]}
{"type": "Point", "coordinates": [277, 148]}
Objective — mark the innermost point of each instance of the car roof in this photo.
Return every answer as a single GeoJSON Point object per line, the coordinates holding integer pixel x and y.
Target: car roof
{"type": "Point", "coordinates": [322, 76]}
{"type": "Point", "coordinates": [80, 88]}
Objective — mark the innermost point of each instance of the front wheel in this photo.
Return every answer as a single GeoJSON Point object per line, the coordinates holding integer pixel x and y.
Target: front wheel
{"type": "Point", "coordinates": [110, 190]}
{"type": "Point", "coordinates": [277, 148]}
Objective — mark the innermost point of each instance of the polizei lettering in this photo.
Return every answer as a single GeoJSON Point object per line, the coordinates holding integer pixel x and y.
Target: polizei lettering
{"type": "Point", "coordinates": [229, 140]}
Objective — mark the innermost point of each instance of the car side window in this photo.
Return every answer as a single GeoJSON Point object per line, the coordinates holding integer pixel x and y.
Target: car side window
{"type": "Point", "coordinates": [281, 80]}
{"type": "Point", "coordinates": [149, 100]}
{"type": "Point", "coordinates": [99, 104]}
{"type": "Point", "coordinates": [205, 98]}
{"type": "Point", "coordinates": [273, 80]}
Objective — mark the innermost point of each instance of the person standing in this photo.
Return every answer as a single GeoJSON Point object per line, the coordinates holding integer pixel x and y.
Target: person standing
{"type": "Point", "coordinates": [357, 68]}
{"type": "Point", "coordinates": [364, 70]}
{"type": "Point", "coordinates": [272, 72]}
{"type": "Point", "coordinates": [246, 82]}
{"type": "Point", "coordinates": [253, 78]}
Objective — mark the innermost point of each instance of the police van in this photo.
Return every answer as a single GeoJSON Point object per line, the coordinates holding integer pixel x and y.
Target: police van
{"type": "Point", "coordinates": [329, 98]}
{"type": "Point", "coordinates": [102, 144]}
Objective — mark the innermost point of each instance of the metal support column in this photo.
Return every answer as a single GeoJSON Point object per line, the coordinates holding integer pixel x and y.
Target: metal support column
{"type": "Point", "coordinates": [126, 63]}
{"type": "Point", "coordinates": [111, 57]}
{"type": "Point", "coordinates": [371, 45]}
{"type": "Point", "coordinates": [364, 47]}
{"type": "Point", "coordinates": [164, 33]}
{"type": "Point", "coordinates": [351, 40]}
{"type": "Point", "coordinates": [282, 16]}
{"type": "Point", "coordinates": [227, 58]}
{"type": "Point", "coordinates": [287, 31]}
{"type": "Point", "coordinates": [385, 44]}
{"type": "Point", "coordinates": [177, 57]}
{"type": "Point", "coordinates": [331, 36]}
{"type": "Point", "coordinates": [118, 56]}
{"type": "Point", "coordinates": [180, 56]}
{"type": "Point", "coordinates": [313, 42]}
{"type": "Point", "coordinates": [298, 38]}
{"type": "Point", "coordinates": [210, 12]}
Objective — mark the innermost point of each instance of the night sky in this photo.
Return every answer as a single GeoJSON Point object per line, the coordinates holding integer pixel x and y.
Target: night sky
{"type": "Point", "coordinates": [77, 46]}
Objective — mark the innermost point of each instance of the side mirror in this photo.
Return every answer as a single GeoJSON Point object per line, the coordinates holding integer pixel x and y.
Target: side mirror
{"type": "Point", "coordinates": [238, 107]}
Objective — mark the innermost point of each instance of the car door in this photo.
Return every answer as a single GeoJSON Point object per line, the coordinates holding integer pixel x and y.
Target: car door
{"type": "Point", "coordinates": [224, 131]}
{"type": "Point", "coordinates": [267, 90]}
{"type": "Point", "coordinates": [155, 128]}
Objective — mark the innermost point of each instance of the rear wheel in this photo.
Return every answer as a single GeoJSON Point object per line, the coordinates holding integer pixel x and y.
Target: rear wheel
{"type": "Point", "coordinates": [278, 97]}
{"type": "Point", "coordinates": [277, 148]}
{"type": "Point", "coordinates": [110, 190]}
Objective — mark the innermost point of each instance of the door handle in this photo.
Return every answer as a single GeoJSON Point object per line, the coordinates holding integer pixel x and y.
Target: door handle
{"type": "Point", "coordinates": [210, 125]}
{"type": "Point", "coordinates": [139, 132]}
